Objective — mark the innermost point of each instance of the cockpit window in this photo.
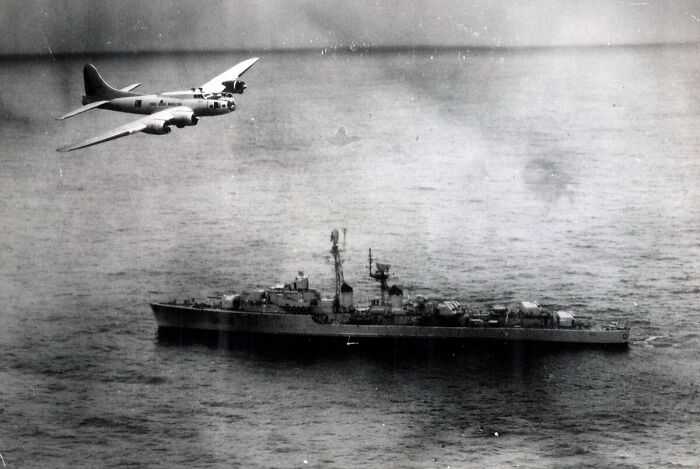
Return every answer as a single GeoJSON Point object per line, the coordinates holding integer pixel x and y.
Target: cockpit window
{"type": "Point", "coordinates": [198, 96]}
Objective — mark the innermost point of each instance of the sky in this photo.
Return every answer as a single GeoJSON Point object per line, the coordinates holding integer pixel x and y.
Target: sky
{"type": "Point", "coordinates": [75, 26]}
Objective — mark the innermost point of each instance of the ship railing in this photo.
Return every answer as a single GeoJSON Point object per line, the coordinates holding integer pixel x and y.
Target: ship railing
{"type": "Point", "coordinates": [617, 326]}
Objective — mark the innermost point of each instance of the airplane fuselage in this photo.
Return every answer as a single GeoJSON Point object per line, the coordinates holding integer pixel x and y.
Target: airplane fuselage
{"type": "Point", "coordinates": [152, 103]}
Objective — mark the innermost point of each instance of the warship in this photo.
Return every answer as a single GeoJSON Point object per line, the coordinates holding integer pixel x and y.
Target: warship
{"type": "Point", "coordinates": [294, 310]}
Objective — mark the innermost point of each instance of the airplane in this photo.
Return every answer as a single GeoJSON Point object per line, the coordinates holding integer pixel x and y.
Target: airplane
{"type": "Point", "coordinates": [178, 108]}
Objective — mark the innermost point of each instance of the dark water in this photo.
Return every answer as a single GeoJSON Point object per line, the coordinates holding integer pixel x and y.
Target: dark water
{"type": "Point", "coordinates": [568, 177]}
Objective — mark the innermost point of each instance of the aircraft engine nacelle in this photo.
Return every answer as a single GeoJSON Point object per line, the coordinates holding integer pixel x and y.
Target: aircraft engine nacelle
{"type": "Point", "coordinates": [234, 86]}
{"type": "Point", "coordinates": [157, 128]}
{"type": "Point", "coordinates": [182, 120]}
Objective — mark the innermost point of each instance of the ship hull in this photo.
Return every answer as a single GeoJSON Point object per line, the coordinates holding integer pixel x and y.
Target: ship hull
{"type": "Point", "coordinates": [186, 318]}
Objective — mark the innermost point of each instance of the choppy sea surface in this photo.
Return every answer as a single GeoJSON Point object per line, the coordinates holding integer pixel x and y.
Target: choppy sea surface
{"type": "Point", "coordinates": [565, 176]}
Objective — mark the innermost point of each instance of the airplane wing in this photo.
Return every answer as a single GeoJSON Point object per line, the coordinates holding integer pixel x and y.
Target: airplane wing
{"type": "Point", "coordinates": [87, 107]}
{"type": "Point", "coordinates": [215, 85]}
{"type": "Point", "coordinates": [139, 125]}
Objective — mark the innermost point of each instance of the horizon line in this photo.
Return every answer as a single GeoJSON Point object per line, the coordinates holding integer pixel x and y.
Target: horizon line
{"type": "Point", "coordinates": [352, 49]}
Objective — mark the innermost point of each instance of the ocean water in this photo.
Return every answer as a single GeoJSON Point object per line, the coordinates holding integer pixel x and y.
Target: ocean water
{"type": "Point", "coordinates": [564, 176]}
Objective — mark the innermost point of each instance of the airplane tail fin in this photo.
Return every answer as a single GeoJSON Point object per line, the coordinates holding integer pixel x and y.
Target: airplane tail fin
{"type": "Point", "coordinates": [96, 89]}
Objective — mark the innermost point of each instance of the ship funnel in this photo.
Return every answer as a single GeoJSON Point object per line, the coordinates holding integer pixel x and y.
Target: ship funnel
{"type": "Point", "coordinates": [395, 296]}
{"type": "Point", "coordinates": [346, 297]}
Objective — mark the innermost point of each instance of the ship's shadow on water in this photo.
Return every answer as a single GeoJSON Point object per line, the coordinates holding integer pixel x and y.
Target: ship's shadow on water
{"type": "Point", "coordinates": [397, 350]}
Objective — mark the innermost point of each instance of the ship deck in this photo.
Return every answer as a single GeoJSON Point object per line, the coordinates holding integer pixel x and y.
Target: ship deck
{"type": "Point", "coordinates": [169, 316]}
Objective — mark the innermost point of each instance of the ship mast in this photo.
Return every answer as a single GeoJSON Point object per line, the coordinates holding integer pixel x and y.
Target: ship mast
{"type": "Point", "coordinates": [338, 264]}
{"type": "Point", "coordinates": [381, 275]}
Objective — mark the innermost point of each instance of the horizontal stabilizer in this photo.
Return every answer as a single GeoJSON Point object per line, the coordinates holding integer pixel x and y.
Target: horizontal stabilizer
{"type": "Point", "coordinates": [131, 87]}
{"type": "Point", "coordinates": [87, 107]}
